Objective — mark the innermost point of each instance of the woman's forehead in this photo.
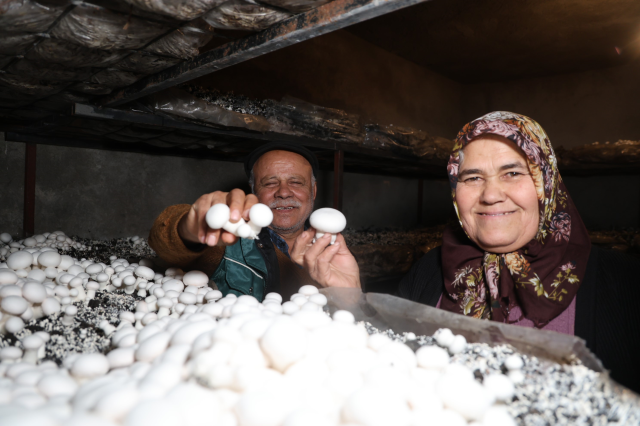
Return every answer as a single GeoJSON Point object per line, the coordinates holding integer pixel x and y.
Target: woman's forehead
{"type": "Point", "coordinates": [491, 148]}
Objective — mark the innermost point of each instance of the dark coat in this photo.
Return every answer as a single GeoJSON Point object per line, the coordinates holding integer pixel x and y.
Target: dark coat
{"type": "Point", "coordinates": [607, 306]}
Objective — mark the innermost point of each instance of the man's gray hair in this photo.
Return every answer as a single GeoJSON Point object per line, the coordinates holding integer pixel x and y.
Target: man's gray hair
{"type": "Point", "coordinates": [460, 156]}
{"type": "Point", "coordinates": [252, 182]}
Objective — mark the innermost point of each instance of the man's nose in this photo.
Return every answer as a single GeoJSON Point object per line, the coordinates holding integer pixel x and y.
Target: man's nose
{"type": "Point", "coordinates": [283, 191]}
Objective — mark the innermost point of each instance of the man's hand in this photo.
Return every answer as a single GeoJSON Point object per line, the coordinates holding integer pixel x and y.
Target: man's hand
{"type": "Point", "coordinates": [328, 265]}
{"type": "Point", "coordinates": [193, 226]}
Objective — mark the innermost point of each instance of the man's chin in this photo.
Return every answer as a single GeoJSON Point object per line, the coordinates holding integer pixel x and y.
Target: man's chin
{"type": "Point", "coordinates": [286, 226]}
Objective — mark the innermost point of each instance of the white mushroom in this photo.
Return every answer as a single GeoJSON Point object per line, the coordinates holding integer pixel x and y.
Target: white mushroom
{"type": "Point", "coordinates": [88, 366]}
{"type": "Point", "coordinates": [195, 279]}
{"type": "Point", "coordinates": [69, 314]}
{"type": "Point", "coordinates": [260, 216]}
{"type": "Point", "coordinates": [31, 345]}
{"type": "Point", "coordinates": [327, 221]}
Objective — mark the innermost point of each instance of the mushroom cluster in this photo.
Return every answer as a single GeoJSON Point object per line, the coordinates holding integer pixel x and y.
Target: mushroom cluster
{"type": "Point", "coordinates": [189, 355]}
{"type": "Point", "coordinates": [260, 216]}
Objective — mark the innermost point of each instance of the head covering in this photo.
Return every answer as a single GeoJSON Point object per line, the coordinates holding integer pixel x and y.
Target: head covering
{"type": "Point", "coordinates": [280, 146]}
{"type": "Point", "coordinates": [543, 277]}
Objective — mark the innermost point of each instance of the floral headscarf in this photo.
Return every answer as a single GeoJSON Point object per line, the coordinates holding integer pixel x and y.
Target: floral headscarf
{"type": "Point", "coordinates": [543, 277]}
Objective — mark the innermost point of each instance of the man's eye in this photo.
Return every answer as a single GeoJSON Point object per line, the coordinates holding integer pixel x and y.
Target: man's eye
{"type": "Point", "coordinates": [513, 174]}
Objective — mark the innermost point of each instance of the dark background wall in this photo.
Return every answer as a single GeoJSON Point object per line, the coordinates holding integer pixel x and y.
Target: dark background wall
{"type": "Point", "coordinates": [105, 194]}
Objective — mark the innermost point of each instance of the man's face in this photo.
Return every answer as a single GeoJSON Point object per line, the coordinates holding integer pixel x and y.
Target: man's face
{"type": "Point", "coordinates": [283, 182]}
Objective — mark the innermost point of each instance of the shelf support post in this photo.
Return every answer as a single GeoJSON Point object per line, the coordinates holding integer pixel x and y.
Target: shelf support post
{"type": "Point", "coordinates": [338, 175]}
{"type": "Point", "coordinates": [420, 199]}
{"type": "Point", "coordinates": [28, 224]}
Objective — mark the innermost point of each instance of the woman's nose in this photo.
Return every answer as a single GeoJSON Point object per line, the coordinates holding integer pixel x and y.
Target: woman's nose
{"type": "Point", "coordinates": [492, 192]}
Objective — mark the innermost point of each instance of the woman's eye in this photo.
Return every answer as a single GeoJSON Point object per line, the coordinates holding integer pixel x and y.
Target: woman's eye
{"type": "Point", "coordinates": [472, 179]}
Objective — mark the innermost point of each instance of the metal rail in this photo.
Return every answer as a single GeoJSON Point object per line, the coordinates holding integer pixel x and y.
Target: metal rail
{"type": "Point", "coordinates": [330, 17]}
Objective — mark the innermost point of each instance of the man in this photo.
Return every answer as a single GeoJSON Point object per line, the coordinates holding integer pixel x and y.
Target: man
{"type": "Point", "coordinates": [282, 176]}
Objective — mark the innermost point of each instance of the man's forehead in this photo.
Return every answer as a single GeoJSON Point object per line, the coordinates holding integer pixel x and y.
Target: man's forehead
{"type": "Point", "coordinates": [279, 161]}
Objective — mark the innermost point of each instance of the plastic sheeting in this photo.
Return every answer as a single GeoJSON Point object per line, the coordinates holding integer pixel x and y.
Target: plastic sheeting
{"type": "Point", "coordinates": [45, 71]}
{"type": "Point", "coordinates": [623, 152]}
{"type": "Point", "coordinates": [30, 86]}
{"type": "Point", "coordinates": [28, 16]}
{"type": "Point", "coordinates": [183, 104]}
{"type": "Point", "coordinates": [183, 10]}
{"type": "Point", "coordinates": [114, 78]}
{"type": "Point", "coordinates": [407, 141]}
{"type": "Point", "coordinates": [183, 43]}
{"type": "Point", "coordinates": [296, 6]}
{"type": "Point", "coordinates": [141, 63]}
{"type": "Point", "coordinates": [91, 88]}
{"type": "Point", "coordinates": [300, 118]}
{"type": "Point", "coordinates": [99, 28]}
{"type": "Point", "coordinates": [15, 44]}
{"type": "Point", "coordinates": [5, 60]}
{"type": "Point", "coordinates": [72, 55]}
{"type": "Point", "coordinates": [242, 15]}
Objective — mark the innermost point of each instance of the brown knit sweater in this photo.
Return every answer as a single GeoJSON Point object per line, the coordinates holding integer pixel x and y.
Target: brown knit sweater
{"type": "Point", "coordinates": [168, 245]}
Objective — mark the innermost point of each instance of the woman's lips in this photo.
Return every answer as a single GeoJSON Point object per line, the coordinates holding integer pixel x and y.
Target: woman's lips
{"type": "Point", "coordinates": [495, 214]}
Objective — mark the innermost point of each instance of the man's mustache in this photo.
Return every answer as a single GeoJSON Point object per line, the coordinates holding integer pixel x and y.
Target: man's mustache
{"type": "Point", "coordinates": [291, 203]}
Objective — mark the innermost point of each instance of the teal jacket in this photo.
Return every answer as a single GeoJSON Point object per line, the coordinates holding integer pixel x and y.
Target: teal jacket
{"type": "Point", "coordinates": [242, 270]}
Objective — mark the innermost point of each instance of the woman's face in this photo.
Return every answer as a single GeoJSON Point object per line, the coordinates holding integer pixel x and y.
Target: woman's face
{"type": "Point", "coordinates": [496, 197]}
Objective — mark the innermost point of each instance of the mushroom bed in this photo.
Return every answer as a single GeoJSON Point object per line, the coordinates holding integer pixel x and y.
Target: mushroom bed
{"type": "Point", "coordinates": [90, 335]}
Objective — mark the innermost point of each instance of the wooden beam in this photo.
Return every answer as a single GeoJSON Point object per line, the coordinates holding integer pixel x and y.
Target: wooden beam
{"type": "Point", "coordinates": [330, 17]}
{"type": "Point", "coordinates": [28, 224]}
{"type": "Point", "coordinates": [338, 178]}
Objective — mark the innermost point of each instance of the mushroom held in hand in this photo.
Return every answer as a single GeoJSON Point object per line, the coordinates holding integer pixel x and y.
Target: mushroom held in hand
{"type": "Point", "coordinates": [260, 216]}
{"type": "Point", "coordinates": [327, 221]}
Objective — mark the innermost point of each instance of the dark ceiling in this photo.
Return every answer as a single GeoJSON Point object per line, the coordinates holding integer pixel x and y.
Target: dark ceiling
{"type": "Point", "coordinates": [474, 41]}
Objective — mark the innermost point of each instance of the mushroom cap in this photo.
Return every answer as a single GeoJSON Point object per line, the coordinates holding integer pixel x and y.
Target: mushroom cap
{"type": "Point", "coordinates": [94, 268]}
{"type": "Point", "coordinates": [14, 305]}
{"type": "Point", "coordinates": [32, 342]}
{"type": "Point", "coordinates": [10, 290]}
{"type": "Point", "coordinates": [7, 276]}
{"type": "Point", "coordinates": [34, 292]}
{"type": "Point", "coordinates": [50, 259]}
{"type": "Point", "coordinates": [196, 279]}
{"type": "Point", "coordinates": [20, 260]}
{"type": "Point", "coordinates": [10, 352]}
{"type": "Point", "coordinates": [50, 306]}
{"type": "Point", "coordinates": [37, 275]}
{"type": "Point", "coordinates": [90, 365]}
{"type": "Point", "coordinates": [145, 272]}
{"type": "Point", "coordinates": [328, 220]}
{"type": "Point", "coordinates": [261, 215]}
{"type": "Point", "coordinates": [14, 325]}
{"type": "Point", "coordinates": [218, 215]}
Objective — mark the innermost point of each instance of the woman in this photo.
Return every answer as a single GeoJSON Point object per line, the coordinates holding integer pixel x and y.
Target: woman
{"type": "Point", "coordinates": [522, 256]}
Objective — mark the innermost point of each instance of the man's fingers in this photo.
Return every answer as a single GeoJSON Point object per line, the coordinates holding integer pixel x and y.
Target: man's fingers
{"type": "Point", "coordinates": [319, 246]}
{"type": "Point", "coordinates": [301, 245]}
{"type": "Point", "coordinates": [249, 201]}
{"type": "Point", "coordinates": [235, 201]}
{"type": "Point", "coordinates": [323, 261]}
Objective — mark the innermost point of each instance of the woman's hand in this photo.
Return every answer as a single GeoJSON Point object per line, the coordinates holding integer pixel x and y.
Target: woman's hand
{"type": "Point", "coordinates": [328, 265]}
{"type": "Point", "coordinates": [193, 226]}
